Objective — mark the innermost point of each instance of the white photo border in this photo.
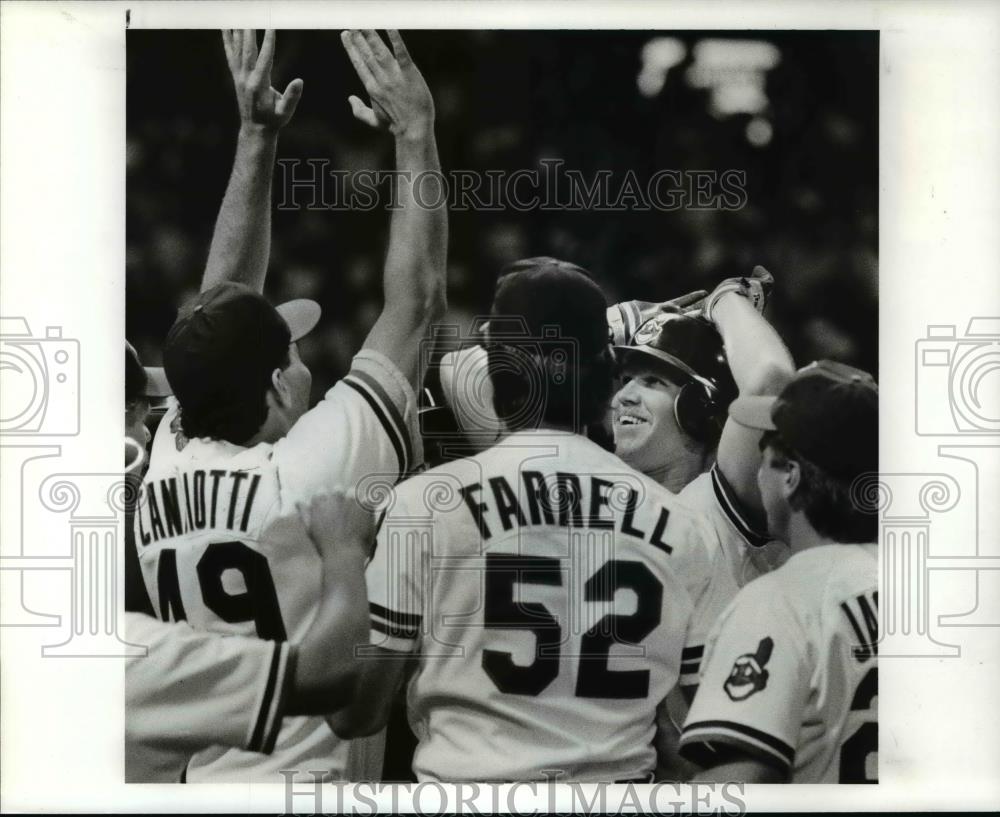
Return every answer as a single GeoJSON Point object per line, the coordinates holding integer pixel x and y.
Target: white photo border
{"type": "Point", "coordinates": [62, 234]}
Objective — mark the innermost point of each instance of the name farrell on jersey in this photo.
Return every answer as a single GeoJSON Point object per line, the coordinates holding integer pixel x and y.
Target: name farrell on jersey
{"type": "Point", "coordinates": [567, 500]}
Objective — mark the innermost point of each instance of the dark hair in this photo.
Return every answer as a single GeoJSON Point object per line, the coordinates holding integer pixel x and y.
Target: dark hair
{"type": "Point", "coordinates": [532, 385]}
{"type": "Point", "coordinates": [826, 500]}
{"type": "Point", "coordinates": [236, 418]}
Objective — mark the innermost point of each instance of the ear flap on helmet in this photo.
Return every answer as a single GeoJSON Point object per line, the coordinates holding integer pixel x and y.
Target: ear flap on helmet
{"type": "Point", "coordinates": [698, 413]}
{"type": "Point", "coordinates": [518, 384]}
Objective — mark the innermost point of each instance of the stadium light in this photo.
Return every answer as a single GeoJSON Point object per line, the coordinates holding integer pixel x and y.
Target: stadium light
{"type": "Point", "coordinates": [733, 70]}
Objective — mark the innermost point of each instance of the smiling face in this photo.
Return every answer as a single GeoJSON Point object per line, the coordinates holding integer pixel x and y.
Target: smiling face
{"type": "Point", "coordinates": [645, 429]}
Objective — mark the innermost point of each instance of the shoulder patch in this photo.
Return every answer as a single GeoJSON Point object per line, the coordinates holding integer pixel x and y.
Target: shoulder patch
{"type": "Point", "coordinates": [748, 674]}
{"type": "Point", "coordinates": [175, 427]}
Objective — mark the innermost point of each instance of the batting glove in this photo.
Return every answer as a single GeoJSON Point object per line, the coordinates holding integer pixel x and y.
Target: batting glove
{"type": "Point", "coordinates": [756, 288]}
{"type": "Point", "coordinates": [626, 317]}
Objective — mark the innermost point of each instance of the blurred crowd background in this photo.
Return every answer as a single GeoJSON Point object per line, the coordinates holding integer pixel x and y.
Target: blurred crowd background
{"type": "Point", "coordinates": [797, 111]}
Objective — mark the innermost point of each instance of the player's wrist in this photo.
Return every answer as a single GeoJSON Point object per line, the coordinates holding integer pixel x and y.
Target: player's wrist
{"type": "Point", "coordinates": [726, 292]}
{"type": "Point", "coordinates": [251, 131]}
{"type": "Point", "coordinates": [344, 551]}
{"type": "Point", "coordinates": [418, 131]}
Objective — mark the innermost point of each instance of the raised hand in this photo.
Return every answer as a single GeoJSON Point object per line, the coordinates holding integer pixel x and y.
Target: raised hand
{"type": "Point", "coordinates": [755, 287]}
{"type": "Point", "coordinates": [259, 104]}
{"type": "Point", "coordinates": [401, 102]}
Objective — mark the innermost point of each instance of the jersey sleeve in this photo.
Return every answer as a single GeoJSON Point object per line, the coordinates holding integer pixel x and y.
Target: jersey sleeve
{"type": "Point", "coordinates": [709, 606]}
{"type": "Point", "coordinates": [755, 683]}
{"type": "Point", "coordinates": [194, 689]}
{"type": "Point", "coordinates": [750, 526]}
{"type": "Point", "coordinates": [700, 573]}
{"type": "Point", "coordinates": [397, 577]}
{"type": "Point", "coordinates": [365, 426]}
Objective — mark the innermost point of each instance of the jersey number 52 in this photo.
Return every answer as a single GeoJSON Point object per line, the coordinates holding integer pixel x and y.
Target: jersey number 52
{"type": "Point", "coordinates": [594, 679]}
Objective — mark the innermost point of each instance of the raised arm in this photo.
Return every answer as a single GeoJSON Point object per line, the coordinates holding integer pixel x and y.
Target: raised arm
{"type": "Point", "coordinates": [241, 242]}
{"type": "Point", "coordinates": [326, 668]}
{"type": "Point", "coordinates": [414, 277]}
{"type": "Point", "coordinates": [761, 365]}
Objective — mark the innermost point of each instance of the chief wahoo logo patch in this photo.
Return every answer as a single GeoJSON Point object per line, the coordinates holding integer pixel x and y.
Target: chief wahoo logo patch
{"type": "Point", "coordinates": [748, 674]}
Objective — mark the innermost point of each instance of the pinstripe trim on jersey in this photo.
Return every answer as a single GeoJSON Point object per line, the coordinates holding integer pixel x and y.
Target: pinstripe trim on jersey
{"type": "Point", "coordinates": [753, 741]}
{"type": "Point", "coordinates": [268, 721]}
{"type": "Point", "coordinates": [393, 623]}
{"type": "Point", "coordinates": [386, 412]}
{"type": "Point", "coordinates": [734, 511]}
{"type": "Point", "coordinates": [286, 686]}
{"type": "Point", "coordinates": [392, 630]}
{"type": "Point", "coordinates": [691, 664]}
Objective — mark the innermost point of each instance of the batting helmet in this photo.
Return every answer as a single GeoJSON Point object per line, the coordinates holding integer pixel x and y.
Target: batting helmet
{"type": "Point", "coordinates": [689, 351]}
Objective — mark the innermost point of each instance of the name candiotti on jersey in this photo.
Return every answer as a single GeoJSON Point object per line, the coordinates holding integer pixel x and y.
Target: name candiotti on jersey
{"type": "Point", "coordinates": [195, 501]}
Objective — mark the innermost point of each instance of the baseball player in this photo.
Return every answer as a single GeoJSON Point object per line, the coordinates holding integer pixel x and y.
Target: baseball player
{"type": "Point", "coordinates": [240, 446]}
{"type": "Point", "coordinates": [789, 681]}
{"type": "Point", "coordinates": [680, 372]}
{"type": "Point", "coordinates": [682, 363]}
{"type": "Point", "coordinates": [543, 591]}
{"type": "Point", "coordinates": [193, 688]}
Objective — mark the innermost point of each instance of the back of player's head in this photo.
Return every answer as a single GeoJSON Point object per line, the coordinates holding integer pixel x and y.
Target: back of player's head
{"type": "Point", "coordinates": [549, 358]}
{"type": "Point", "coordinates": [220, 354]}
{"type": "Point", "coordinates": [688, 351]}
{"type": "Point", "coordinates": [826, 420]}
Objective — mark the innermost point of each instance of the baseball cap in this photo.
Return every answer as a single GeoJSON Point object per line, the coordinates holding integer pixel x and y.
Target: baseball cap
{"type": "Point", "coordinates": [684, 347]}
{"type": "Point", "coordinates": [827, 412]}
{"type": "Point", "coordinates": [143, 381]}
{"type": "Point", "coordinates": [541, 294]}
{"type": "Point", "coordinates": [228, 341]}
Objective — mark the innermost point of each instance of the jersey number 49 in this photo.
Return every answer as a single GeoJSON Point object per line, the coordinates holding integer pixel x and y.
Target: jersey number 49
{"type": "Point", "coordinates": [258, 603]}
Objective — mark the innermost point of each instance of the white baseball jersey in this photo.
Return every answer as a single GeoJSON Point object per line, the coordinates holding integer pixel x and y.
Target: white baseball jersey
{"type": "Point", "coordinates": [219, 546]}
{"type": "Point", "coordinates": [747, 550]}
{"type": "Point", "coordinates": [790, 674]}
{"type": "Point", "coordinates": [193, 689]}
{"type": "Point", "coordinates": [548, 590]}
